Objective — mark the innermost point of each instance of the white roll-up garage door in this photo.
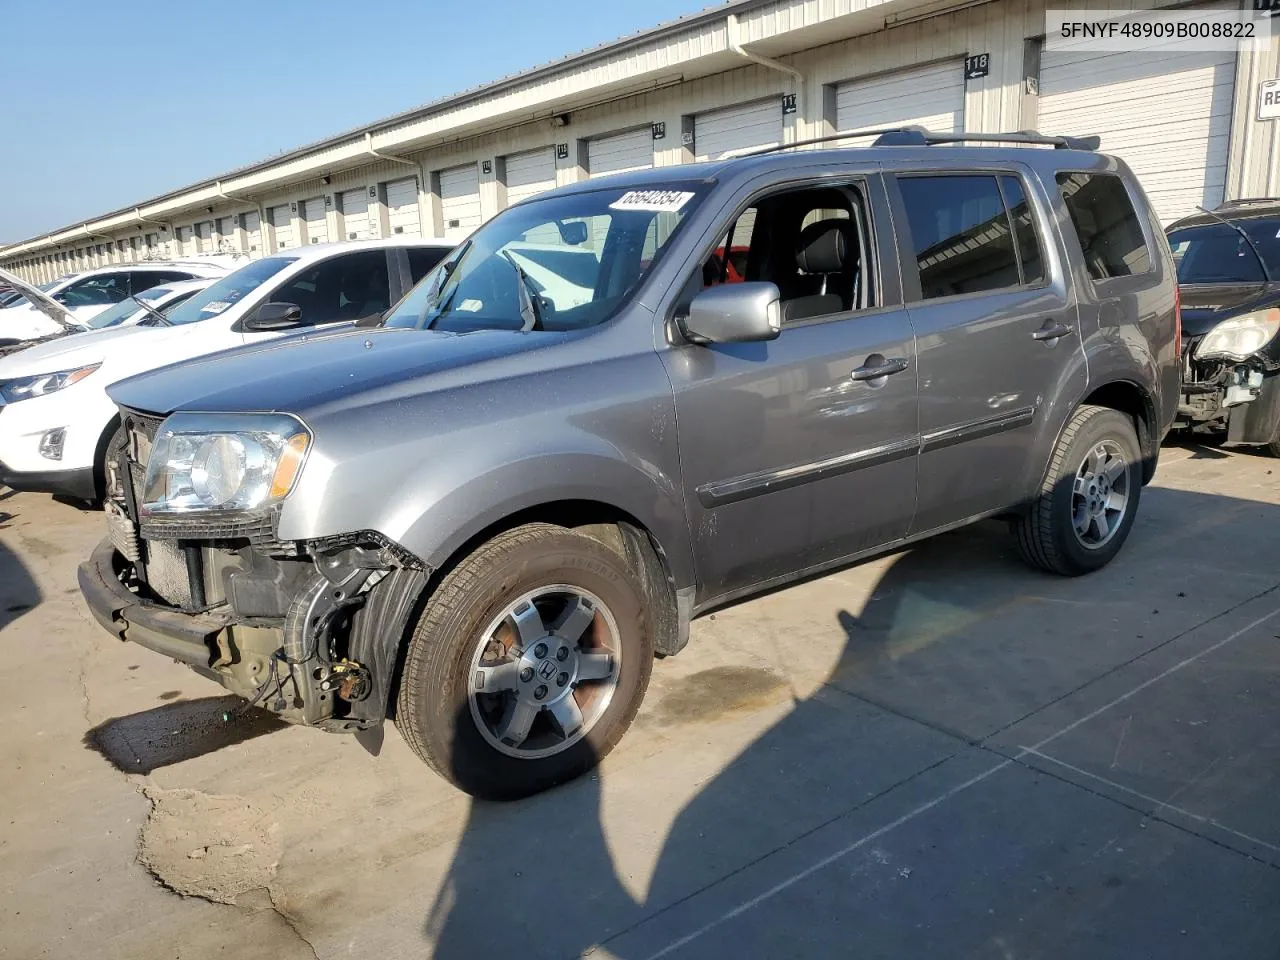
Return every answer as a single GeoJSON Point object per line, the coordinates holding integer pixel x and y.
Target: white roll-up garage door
{"type": "Point", "coordinates": [402, 208]}
{"type": "Point", "coordinates": [529, 174]}
{"type": "Point", "coordinates": [743, 127]}
{"type": "Point", "coordinates": [282, 220]}
{"type": "Point", "coordinates": [354, 205]}
{"type": "Point", "coordinates": [1168, 115]}
{"type": "Point", "coordinates": [460, 200]}
{"type": "Point", "coordinates": [252, 224]}
{"type": "Point", "coordinates": [204, 237]}
{"type": "Point", "coordinates": [313, 213]}
{"type": "Point", "coordinates": [186, 244]}
{"type": "Point", "coordinates": [620, 153]}
{"type": "Point", "coordinates": [931, 96]}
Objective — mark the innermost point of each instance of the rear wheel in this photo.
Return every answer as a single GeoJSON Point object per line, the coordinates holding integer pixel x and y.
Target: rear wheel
{"type": "Point", "coordinates": [528, 663]}
{"type": "Point", "coordinates": [1089, 498]}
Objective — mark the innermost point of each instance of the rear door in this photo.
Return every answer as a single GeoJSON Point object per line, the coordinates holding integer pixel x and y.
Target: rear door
{"type": "Point", "coordinates": [997, 333]}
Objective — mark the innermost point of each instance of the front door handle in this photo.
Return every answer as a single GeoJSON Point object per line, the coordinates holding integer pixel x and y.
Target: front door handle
{"type": "Point", "coordinates": [877, 367]}
{"type": "Point", "coordinates": [1051, 331]}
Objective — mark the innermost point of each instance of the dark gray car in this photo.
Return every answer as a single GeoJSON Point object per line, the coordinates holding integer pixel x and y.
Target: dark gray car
{"type": "Point", "coordinates": [631, 400]}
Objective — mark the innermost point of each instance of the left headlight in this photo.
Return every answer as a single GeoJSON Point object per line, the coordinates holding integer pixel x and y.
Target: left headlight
{"type": "Point", "coordinates": [24, 388]}
{"type": "Point", "coordinates": [223, 462]}
{"type": "Point", "coordinates": [1241, 336]}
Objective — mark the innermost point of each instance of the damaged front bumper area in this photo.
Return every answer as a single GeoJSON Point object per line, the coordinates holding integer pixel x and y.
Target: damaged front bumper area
{"type": "Point", "coordinates": [309, 630]}
{"type": "Point", "coordinates": [312, 639]}
{"type": "Point", "coordinates": [1240, 399]}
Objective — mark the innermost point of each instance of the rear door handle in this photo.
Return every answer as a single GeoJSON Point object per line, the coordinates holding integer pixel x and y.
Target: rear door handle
{"type": "Point", "coordinates": [1051, 331]}
{"type": "Point", "coordinates": [881, 368]}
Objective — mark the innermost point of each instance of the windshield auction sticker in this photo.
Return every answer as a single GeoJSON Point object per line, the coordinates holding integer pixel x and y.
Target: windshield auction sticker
{"type": "Point", "coordinates": [655, 201]}
{"type": "Point", "coordinates": [1156, 31]}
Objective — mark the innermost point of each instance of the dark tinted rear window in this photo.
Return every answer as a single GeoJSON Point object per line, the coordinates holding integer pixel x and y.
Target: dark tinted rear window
{"type": "Point", "coordinates": [423, 259]}
{"type": "Point", "coordinates": [961, 233]}
{"type": "Point", "coordinates": [1106, 223]}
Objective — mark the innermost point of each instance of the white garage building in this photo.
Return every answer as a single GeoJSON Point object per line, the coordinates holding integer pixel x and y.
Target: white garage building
{"type": "Point", "coordinates": [745, 74]}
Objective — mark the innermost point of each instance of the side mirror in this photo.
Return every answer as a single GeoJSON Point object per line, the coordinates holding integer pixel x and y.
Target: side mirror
{"type": "Point", "coordinates": [734, 313]}
{"type": "Point", "coordinates": [275, 316]}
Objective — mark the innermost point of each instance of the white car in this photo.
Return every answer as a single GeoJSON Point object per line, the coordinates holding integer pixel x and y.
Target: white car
{"type": "Point", "coordinates": [151, 307]}
{"type": "Point", "coordinates": [55, 416]}
{"type": "Point", "coordinates": [82, 296]}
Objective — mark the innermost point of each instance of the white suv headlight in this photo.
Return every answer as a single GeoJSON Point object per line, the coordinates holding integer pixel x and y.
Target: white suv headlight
{"type": "Point", "coordinates": [1241, 336]}
{"type": "Point", "coordinates": [223, 462]}
{"type": "Point", "coordinates": [24, 388]}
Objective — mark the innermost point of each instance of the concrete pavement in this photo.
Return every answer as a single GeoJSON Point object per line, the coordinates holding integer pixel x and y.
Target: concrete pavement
{"type": "Point", "coordinates": [939, 753]}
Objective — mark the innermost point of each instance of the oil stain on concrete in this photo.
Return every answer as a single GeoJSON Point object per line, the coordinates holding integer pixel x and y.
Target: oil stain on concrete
{"type": "Point", "coordinates": [712, 693]}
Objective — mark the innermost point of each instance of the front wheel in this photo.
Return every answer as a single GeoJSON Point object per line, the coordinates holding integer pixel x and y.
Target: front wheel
{"type": "Point", "coordinates": [528, 663]}
{"type": "Point", "coordinates": [1089, 498]}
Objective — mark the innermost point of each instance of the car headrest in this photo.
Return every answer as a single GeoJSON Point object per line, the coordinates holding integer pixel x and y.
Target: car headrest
{"type": "Point", "coordinates": [824, 247]}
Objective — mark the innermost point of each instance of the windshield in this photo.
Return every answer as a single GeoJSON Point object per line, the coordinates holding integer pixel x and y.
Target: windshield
{"type": "Point", "coordinates": [1215, 253]}
{"type": "Point", "coordinates": [559, 263]}
{"type": "Point", "coordinates": [126, 308]}
{"type": "Point", "coordinates": [220, 296]}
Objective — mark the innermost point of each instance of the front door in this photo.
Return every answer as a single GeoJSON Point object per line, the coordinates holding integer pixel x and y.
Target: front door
{"type": "Point", "coordinates": [997, 335]}
{"type": "Point", "coordinates": [788, 461]}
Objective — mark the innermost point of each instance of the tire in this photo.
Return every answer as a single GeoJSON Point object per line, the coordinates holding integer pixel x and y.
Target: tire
{"type": "Point", "coordinates": [112, 437]}
{"type": "Point", "coordinates": [1046, 534]}
{"type": "Point", "coordinates": [457, 729]}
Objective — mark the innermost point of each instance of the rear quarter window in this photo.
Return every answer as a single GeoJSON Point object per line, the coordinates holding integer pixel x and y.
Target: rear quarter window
{"type": "Point", "coordinates": [1106, 223]}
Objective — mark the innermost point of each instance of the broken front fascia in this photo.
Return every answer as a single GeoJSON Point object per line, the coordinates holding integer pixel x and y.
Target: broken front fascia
{"type": "Point", "coordinates": [331, 663]}
{"type": "Point", "coordinates": [308, 631]}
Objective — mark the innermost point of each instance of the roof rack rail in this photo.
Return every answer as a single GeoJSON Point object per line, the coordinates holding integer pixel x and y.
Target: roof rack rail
{"type": "Point", "coordinates": [915, 136]}
{"type": "Point", "coordinates": [1245, 201]}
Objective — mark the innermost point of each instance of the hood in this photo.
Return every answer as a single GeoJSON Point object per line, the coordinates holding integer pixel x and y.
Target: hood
{"type": "Point", "coordinates": [302, 373]}
{"type": "Point", "coordinates": [67, 353]}
{"type": "Point", "coordinates": [1205, 305]}
{"type": "Point", "coordinates": [40, 300]}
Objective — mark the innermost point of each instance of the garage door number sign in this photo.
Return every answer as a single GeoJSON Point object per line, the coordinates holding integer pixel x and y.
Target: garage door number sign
{"type": "Point", "coordinates": [977, 66]}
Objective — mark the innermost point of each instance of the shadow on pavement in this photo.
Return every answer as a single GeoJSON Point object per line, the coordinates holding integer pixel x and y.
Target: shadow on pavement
{"type": "Point", "coordinates": [957, 642]}
{"type": "Point", "coordinates": [18, 590]}
{"type": "Point", "coordinates": [146, 741]}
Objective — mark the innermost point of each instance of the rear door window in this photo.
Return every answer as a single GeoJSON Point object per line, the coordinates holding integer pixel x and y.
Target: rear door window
{"type": "Point", "coordinates": [1030, 259]}
{"type": "Point", "coordinates": [101, 290]}
{"type": "Point", "coordinates": [422, 260]}
{"type": "Point", "coordinates": [961, 234]}
{"type": "Point", "coordinates": [1106, 223]}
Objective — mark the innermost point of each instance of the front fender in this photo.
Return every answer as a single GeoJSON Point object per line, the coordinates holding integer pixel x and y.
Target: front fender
{"type": "Point", "coordinates": [641, 491]}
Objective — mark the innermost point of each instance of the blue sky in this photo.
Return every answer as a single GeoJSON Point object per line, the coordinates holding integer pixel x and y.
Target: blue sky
{"type": "Point", "coordinates": [104, 104]}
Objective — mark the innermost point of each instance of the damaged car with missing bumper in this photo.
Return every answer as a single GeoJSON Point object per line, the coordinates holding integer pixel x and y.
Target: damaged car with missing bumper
{"type": "Point", "coordinates": [1229, 278]}
{"type": "Point", "coordinates": [487, 512]}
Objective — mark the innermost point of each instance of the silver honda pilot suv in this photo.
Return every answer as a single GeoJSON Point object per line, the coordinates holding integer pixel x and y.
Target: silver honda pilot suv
{"type": "Point", "coordinates": [631, 400]}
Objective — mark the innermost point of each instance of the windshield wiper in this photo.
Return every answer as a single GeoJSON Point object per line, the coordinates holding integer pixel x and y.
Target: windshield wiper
{"type": "Point", "coordinates": [1247, 239]}
{"type": "Point", "coordinates": [530, 313]}
{"type": "Point", "coordinates": [433, 298]}
{"type": "Point", "coordinates": [156, 314]}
